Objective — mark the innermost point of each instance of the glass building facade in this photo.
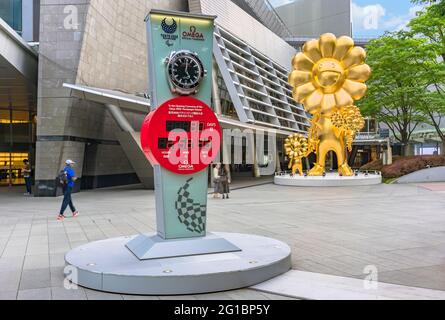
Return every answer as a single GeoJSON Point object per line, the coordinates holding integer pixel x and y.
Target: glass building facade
{"type": "Point", "coordinates": [11, 12]}
{"type": "Point", "coordinates": [17, 143]}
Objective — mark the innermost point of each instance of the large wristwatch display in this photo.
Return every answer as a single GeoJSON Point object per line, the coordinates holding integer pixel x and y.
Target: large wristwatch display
{"type": "Point", "coordinates": [185, 72]}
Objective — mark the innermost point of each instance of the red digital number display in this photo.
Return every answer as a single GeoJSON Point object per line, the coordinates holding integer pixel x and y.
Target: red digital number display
{"type": "Point", "coordinates": [183, 136]}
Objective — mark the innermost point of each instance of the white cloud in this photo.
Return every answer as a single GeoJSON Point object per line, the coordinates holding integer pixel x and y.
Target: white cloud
{"type": "Point", "coordinates": [375, 17]}
{"type": "Point", "coordinates": [400, 22]}
{"type": "Point", "coordinates": [367, 17]}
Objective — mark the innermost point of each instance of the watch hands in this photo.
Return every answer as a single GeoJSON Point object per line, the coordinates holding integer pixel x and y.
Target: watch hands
{"type": "Point", "coordinates": [187, 69]}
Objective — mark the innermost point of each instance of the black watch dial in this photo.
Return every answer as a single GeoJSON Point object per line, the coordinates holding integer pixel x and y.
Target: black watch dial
{"type": "Point", "coordinates": [186, 71]}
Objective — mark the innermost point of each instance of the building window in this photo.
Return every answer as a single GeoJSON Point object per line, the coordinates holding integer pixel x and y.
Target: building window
{"type": "Point", "coordinates": [11, 12]}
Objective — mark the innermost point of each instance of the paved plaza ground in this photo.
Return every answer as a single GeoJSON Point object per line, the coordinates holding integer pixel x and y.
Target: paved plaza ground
{"type": "Point", "coordinates": [400, 229]}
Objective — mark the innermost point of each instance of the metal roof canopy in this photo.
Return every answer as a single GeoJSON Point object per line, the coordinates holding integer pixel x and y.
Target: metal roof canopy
{"type": "Point", "coordinates": [120, 99]}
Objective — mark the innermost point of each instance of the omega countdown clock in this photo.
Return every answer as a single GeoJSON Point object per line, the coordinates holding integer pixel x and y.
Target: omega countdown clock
{"type": "Point", "coordinates": [185, 72]}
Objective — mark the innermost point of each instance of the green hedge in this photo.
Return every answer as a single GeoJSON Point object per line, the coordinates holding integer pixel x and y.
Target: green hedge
{"type": "Point", "coordinates": [405, 165]}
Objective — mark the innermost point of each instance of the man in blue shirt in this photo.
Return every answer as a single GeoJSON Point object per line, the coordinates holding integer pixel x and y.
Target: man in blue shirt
{"type": "Point", "coordinates": [67, 190]}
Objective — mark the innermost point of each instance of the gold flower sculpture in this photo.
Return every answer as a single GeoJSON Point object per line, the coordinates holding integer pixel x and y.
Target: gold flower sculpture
{"type": "Point", "coordinates": [350, 121]}
{"type": "Point", "coordinates": [297, 148]}
{"type": "Point", "coordinates": [328, 76]}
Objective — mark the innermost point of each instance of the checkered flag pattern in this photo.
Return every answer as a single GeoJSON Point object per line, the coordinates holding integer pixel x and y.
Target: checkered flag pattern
{"type": "Point", "coordinates": [190, 214]}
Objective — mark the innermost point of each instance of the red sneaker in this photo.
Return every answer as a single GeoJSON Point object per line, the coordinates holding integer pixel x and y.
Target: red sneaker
{"type": "Point", "coordinates": [61, 218]}
{"type": "Point", "coordinates": [75, 214]}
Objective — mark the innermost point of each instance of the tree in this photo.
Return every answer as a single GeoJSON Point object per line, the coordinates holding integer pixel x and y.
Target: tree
{"type": "Point", "coordinates": [430, 25]}
{"type": "Point", "coordinates": [437, 4]}
{"type": "Point", "coordinates": [396, 92]}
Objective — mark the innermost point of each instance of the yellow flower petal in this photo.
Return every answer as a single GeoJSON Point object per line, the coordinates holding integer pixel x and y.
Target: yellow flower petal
{"type": "Point", "coordinates": [327, 45]}
{"type": "Point", "coordinates": [360, 73]}
{"type": "Point", "coordinates": [343, 98]}
{"type": "Point", "coordinates": [328, 103]}
{"type": "Point", "coordinates": [344, 44]}
{"type": "Point", "coordinates": [313, 101]}
{"type": "Point", "coordinates": [312, 50]}
{"type": "Point", "coordinates": [356, 89]}
{"type": "Point", "coordinates": [298, 78]}
{"type": "Point", "coordinates": [300, 93]}
{"type": "Point", "coordinates": [354, 57]}
{"type": "Point", "coordinates": [302, 63]}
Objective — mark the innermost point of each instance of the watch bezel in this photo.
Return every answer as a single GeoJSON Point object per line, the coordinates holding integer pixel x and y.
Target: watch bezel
{"type": "Point", "coordinates": [177, 87]}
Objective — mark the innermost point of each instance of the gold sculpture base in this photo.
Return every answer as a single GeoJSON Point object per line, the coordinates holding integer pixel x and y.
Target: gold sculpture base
{"type": "Point", "coordinates": [331, 179]}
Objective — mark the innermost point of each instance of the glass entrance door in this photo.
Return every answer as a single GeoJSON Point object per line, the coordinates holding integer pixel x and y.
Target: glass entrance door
{"type": "Point", "coordinates": [11, 168]}
{"type": "Point", "coordinates": [17, 138]}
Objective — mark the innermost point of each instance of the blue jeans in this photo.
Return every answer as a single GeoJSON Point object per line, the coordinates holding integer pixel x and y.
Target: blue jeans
{"type": "Point", "coordinates": [28, 184]}
{"type": "Point", "coordinates": [67, 200]}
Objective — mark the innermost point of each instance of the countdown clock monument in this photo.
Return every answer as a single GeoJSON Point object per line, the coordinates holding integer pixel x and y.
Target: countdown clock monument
{"type": "Point", "coordinates": [181, 137]}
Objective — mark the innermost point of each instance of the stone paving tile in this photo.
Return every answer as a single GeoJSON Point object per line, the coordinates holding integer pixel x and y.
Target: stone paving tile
{"type": "Point", "coordinates": [8, 295]}
{"type": "Point", "coordinates": [57, 277]}
{"type": "Point", "coordinates": [18, 241]}
{"type": "Point", "coordinates": [402, 277]}
{"type": "Point", "coordinates": [436, 273]}
{"type": "Point", "coordinates": [59, 248]}
{"type": "Point", "coordinates": [35, 279]}
{"type": "Point", "coordinates": [60, 293]}
{"type": "Point", "coordinates": [36, 262]}
{"type": "Point", "coordinates": [11, 263]}
{"type": "Point", "coordinates": [10, 280]}
{"type": "Point", "coordinates": [314, 266]}
{"type": "Point", "coordinates": [57, 260]}
{"type": "Point", "coordinates": [14, 251]}
{"type": "Point", "coordinates": [35, 294]}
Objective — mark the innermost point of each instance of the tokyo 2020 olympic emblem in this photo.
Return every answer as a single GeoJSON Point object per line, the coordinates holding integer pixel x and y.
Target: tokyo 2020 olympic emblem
{"type": "Point", "coordinates": [169, 28]}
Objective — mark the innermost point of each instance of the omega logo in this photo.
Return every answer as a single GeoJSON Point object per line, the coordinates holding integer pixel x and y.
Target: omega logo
{"type": "Point", "coordinates": [193, 34]}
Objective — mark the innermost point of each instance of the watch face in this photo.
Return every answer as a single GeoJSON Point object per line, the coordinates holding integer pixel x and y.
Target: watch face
{"type": "Point", "coordinates": [186, 71]}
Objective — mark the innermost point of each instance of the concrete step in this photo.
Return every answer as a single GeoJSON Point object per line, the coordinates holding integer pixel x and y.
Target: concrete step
{"type": "Point", "coordinates": [316, 286]}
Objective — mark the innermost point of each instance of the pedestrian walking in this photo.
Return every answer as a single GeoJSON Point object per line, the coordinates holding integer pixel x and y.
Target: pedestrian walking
{"type": "Point", "coordinates": [217, 181]}
{"type": "Point", "coordinates": [27, 175]}
{"type": "Point", "coordinates": [67, 178]}
{"type": "Point", "coordinates": [225, 182]}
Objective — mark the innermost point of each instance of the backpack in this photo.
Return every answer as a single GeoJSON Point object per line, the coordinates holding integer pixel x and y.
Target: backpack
{"type": "Point", "coordinates": [62, 178]}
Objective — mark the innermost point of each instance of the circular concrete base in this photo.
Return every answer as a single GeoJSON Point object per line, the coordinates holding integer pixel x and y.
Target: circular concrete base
{"type": "Point", "coordinates": [109, 266]}
{"type": "Point", "coordinates": [331, 180]}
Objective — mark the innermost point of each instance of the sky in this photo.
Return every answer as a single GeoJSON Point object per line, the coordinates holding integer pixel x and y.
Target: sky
{"type": "Point", "coordinates": [371, 18]}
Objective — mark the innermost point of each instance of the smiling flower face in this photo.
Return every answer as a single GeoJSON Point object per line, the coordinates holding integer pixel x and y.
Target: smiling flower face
{"type": "Point", "coordinates": [329, 73]}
